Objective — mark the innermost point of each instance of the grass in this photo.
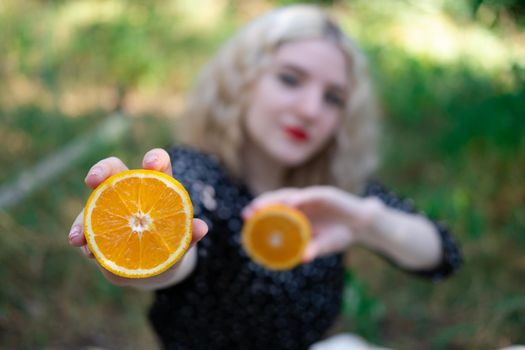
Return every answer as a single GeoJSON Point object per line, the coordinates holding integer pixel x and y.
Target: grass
{"type": "Point", "coordinates": [45, 275]}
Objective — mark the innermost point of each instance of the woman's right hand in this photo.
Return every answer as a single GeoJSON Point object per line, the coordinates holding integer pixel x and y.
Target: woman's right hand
{"type": "Point", "coordinates": [156, 159]}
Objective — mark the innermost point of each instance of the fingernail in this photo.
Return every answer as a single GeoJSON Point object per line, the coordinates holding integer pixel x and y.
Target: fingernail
{"type": "Point", "coordinates": [96, 172]}
{"type": "Point", "coordinates": [150, 159]}
{"type": "Point", "coordinates": [74, 233]}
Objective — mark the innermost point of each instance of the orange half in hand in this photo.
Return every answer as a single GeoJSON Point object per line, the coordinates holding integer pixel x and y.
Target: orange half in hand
{"type": "Point", "coordinates": [276, 236]}
{"type": "Point", "coordinates": [138, 223]}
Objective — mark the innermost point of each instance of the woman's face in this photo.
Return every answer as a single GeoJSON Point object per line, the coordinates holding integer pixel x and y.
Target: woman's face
{"type": "Point", "coordinates": [297, 104]}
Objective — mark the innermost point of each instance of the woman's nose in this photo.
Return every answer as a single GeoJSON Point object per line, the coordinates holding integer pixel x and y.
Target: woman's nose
{"type": "Point", "coordinates": [310, 104]}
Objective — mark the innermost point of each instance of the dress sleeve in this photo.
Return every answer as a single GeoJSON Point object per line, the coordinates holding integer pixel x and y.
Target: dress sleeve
{"type": "Point", "coordinates": [451, 254]}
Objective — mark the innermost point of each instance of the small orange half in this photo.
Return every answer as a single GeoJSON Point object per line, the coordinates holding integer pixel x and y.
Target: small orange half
{"type": "Point", "coordinates": [138, 223]}
{"type": "Point", "coordinates": [276, 236]}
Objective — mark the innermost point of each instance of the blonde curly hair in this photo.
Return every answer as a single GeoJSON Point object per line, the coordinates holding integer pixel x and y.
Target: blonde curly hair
{"type": "Point", "coordinates": [212, 120]}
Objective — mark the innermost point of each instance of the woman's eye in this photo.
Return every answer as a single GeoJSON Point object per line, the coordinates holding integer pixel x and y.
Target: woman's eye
{"type": "Point", "coordinates": [288, 79]}
{"type": "Point", "coordinates": [334, 99]}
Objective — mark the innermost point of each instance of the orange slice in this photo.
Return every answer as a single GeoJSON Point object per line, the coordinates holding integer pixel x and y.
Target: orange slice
{"type": "Point", "coordinates": [276, 236]}
{"type": "Point", "coordinates": [138, 223]}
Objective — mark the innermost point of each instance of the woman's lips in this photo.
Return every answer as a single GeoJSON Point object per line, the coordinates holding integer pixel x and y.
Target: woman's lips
{"type": "Point", "coordinates": [296, 134]}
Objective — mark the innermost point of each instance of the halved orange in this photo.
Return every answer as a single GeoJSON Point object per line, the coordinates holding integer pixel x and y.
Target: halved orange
{"type": "Point", "coordinates": [276, 236]}
{"type": "Point", "coordinates": [138, 223]}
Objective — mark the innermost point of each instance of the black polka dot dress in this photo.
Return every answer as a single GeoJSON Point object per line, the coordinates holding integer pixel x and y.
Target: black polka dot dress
{"type": "Point", "coordinates": [229, 302]}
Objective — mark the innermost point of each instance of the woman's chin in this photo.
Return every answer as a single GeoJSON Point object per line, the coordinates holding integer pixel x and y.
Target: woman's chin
{"type": "Point", "coordinates": [291, 160]}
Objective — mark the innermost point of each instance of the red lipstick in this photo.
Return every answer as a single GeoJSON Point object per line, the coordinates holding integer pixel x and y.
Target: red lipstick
{"type": "Point", "coordinates": [296, 134]}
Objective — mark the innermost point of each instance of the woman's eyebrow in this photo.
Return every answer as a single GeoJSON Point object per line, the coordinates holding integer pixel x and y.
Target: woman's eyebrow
{"type": "Point", "coordinates": [337, 88]}
{"type": "Point", "coordinates": [294, 68]}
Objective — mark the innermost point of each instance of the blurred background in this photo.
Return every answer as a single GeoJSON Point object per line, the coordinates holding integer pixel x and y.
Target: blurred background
{"type": "Point", "coordinates": [82, 80]}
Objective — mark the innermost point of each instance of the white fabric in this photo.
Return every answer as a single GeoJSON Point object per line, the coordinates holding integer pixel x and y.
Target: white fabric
{"type": "Point", "coordinates": [346, 341]}
{"type": "Point", "coordinates": [349, 341]}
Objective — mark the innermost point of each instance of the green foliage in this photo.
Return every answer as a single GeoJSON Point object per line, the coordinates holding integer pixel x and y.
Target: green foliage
{"type": "Point", "coordinates": [135, 47]}
{"type": "Point", "coordinates": [44, 275]}
{"type": "Point", "coordinates": [466, 169]}
{"type": "Point", "coordinates": [363, 311]}
{"type": "Point", "coordinates": [315, 2]}
{"type": "Point", "coordinates": [21, 149]}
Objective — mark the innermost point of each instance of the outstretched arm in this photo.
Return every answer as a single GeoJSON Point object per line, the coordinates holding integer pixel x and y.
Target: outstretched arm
{"type": "Point", "coordinates": [340, 219]}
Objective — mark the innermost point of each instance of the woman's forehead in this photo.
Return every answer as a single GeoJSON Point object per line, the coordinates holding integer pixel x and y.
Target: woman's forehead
{"type": "Point", "coordinates": [318, 57]}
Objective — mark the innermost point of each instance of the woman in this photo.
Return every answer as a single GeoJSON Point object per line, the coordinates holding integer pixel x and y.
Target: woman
{"type": "Point", "coordinates": [284, 113]}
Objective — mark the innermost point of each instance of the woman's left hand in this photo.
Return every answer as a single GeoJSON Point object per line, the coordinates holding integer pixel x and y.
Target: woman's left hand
{"type": "Point", "coordinates": [337, 217]}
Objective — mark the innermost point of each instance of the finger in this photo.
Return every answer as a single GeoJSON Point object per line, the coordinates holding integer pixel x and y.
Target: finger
{"type": "Point", "coordinates": [87, 252]}
{"type": "Point", "coordinates": [104, 169]}
{"type": "Point", "coordinates": [76, 233]}
{"type": "Point", "coordinates": [326, 244]}
{"type": "Point", "coordinates": [114, 279]}
{"type": "Point", "coordinates": [310, 253]}
{"type": "Point", "coordinates": [157, 159]}
{"type": "Point", "coordinates": [200, 229]}
{"type": "Point", "coordinates": [286, 196]}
